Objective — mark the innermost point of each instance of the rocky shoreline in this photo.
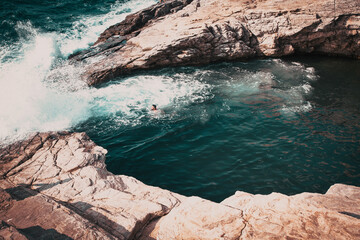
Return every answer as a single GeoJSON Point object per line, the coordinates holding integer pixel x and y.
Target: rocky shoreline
{"type": "Point", "coordinates": [55, 186]}
{"type": "Point", "coordinates": [194, 32]}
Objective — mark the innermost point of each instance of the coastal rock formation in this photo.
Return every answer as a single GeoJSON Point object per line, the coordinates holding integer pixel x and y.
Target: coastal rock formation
{"type": "Point", "coordinates": [56, 186]}
{"type": "Point", "coordinates": [70, 170]}
{"type": "Point", "coordinates": [185, 32]}
{"type": "Point", "coordinates": [302, 216]}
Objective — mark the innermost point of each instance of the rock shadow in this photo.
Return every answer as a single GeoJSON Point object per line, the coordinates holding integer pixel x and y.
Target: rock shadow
{"type": "Point", "coordinates": [20, 192]}
{"type": "Point", "coordinates": [45, 186]}
{"type": "Point", "coordinates": [85, 210]}
{"type": "Point", "coordinates": [39, 233]}
{"type": "Point", "coordinates": [354, 215]}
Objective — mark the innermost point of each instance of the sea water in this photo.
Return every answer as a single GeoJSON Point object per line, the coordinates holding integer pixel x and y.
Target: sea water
{"type": "Point", "coordinates": [286, 125]}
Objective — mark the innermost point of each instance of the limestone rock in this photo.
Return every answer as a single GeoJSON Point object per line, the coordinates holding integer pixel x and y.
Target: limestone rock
{"type": "Point", "coordinates": [9, 232]}
{"type": "Point", "coordinates": [185, 32]}
{"type": "Point", "coordinates": [134, 22]}
{"type": "Point", "coordinates": [201, 219]}
{"type": "Point", "coordinates": [28, 215]}
{"type": "Point", "coordinates": [70, 168]}
{"type": "Point", "coordinates": [55, 186]}
{"type": "Point", "coordinates": [115, 37]}
{"type": "Point", "coordinates": [302, 216]}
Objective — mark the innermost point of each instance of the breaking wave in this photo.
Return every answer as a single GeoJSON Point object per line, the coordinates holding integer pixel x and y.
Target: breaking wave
{"type": "Point", "coordinates": [41, 91]}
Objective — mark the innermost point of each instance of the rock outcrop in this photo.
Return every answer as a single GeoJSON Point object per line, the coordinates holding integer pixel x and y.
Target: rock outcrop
{"type": "Point", "coordinates": [70, 169]}
{"type": "Point", "coordinates": [56, 186]}
{"type": "Point", "coordinates": [186, 32]}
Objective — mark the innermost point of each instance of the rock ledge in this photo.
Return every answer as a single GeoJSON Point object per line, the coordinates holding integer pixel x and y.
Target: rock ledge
{"type": "Point", "coordinates": [55, 186]}
{"type": "Point", "coordinates": [193, 32]}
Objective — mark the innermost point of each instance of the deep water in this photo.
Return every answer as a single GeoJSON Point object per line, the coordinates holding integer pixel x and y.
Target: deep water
{"type": "Point", "coordinates": [286, 125]}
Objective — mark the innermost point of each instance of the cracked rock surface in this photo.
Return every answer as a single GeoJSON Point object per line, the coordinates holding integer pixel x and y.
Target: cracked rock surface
{"type": "Point", "coordinates": [70, 170]}
{"type": "Point", "coordinates": [193, 32]}
{"type": "Point", "coordinates": [55, 186]}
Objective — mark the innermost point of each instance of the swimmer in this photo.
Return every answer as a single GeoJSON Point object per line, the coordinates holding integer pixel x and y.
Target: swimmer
{"type": "Point", "coordinates": [156, 110]}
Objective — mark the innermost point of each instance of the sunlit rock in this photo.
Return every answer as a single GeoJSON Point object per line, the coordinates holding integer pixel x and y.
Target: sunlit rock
{"type": "Point", "coordinates": [198, 32]}
{"type": "Point", "coordinates": [61, 188]}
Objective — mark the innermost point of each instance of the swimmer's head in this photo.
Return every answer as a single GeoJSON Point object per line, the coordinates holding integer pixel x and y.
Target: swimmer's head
{"type": "Point", "coordinates": [153, 107]}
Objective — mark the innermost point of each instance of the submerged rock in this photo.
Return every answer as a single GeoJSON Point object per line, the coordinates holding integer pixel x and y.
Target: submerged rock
{"type": "Point", "coordinates": [185, 32]}
{"type": "Point", "coordinates": [56, 186]}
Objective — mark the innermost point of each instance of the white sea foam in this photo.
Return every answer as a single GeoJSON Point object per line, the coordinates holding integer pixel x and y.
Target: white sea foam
{"type": "Point", "coordinates": [26, 103]}
{"type": "Point", "coordinates": [288, 84]}
{"type": "Point", "coordinates": [87, 29]}
{"type": "Point", "coordinates": [295, 89]}
{"type": "Point", "coordinates": [291, 109]}
{"type": "Point", "coordinates": [130, 100]}
{"type": "Point", "coordinates": [39, 93]}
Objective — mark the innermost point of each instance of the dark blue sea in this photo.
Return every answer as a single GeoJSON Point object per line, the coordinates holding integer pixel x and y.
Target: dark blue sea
{"type": "Point", "coordinates": [287, 125]}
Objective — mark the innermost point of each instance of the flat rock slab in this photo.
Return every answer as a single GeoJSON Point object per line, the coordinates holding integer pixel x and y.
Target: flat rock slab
{"type": "Point", "coordinates": [202, 218]}
{"type": "Point", "coordinates": [55, 186]}
{"type": "Point", "coordinates": [334, 215]}
{"type": "Point", "coordinates": [25, 214]}
{"type": "Point", "coordinates": [70, 168]}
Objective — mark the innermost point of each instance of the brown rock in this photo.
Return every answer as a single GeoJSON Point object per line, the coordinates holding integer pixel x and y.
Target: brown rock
{"type": "Point", "coordinates": [61, 190]}
{"type": "Point", "coordinates": [201, 219]}
{"type": "Point", "coordinates": [9, 232]}
{"type": "Point", "coordinates": [302, 216]}
{"type": "Point", "coordinates": [70, 168]}
{"type": "Point", "coordinates": [204, 31]}
{"type": "Point", "coordinates": [136, 21]}
{"type": "Point", "coordinates": [35, 216]}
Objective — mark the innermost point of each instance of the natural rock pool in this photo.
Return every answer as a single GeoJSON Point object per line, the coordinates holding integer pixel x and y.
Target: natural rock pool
{"type": "Point", "coordinates": [285, 125]}
{"type": "Point", "coordinates": [275, 125]}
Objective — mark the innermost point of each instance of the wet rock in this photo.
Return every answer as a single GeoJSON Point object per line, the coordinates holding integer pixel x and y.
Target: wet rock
{"type": "Point", "coordinates": [188, 32]}
{"type": "Point", "coordinates": [110, 45]}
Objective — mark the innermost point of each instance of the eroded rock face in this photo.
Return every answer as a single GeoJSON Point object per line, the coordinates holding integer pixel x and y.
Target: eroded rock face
{"type": "Point", "coordinates": [136, 21]}
{"type": "Point", "coordinates": [26, 214]}
{"type": "Point", "coordinates": [55, 186]}
{"type": "Point", "coordinates": [303, 216]}
{"type": "Point", "coordinates": [199, 217]}
{"type": "Point", "coordinates": [202, 31]}
{"type": "Point", "coordinates": [70, 168]}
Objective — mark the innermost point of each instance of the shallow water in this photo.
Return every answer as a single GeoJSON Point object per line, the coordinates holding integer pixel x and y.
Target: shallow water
{"type": "Point", "coordinates": [287, 125]}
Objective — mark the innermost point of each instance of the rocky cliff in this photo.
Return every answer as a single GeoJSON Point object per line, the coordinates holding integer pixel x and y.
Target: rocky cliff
{"type": "Point", "coordinates": [56, 186]}
{"type": "Point", "coordinates": [192, 32]}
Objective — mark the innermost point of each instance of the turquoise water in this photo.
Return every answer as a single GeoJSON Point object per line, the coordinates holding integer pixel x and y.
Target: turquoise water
{"type": "Point", "coordinates": [286, 125]}
{"type": "Point", "coordinates": [289, 126]}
